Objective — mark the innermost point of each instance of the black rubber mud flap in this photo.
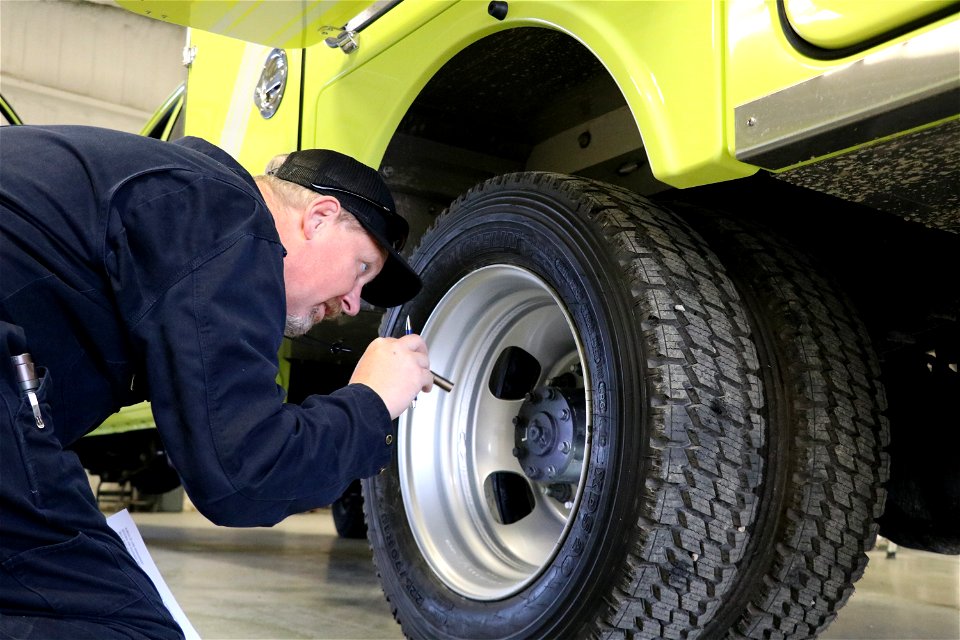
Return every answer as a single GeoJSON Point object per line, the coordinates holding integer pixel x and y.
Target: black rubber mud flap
{"type": "Point", "coordinates": [633, 466]}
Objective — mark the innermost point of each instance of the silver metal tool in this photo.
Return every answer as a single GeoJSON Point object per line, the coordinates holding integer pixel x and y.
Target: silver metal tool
{"type": "Point", "coordinates": [407, 331]}
{"type": "Point", "coordinates": [441, 382]}
{"type": "Point", "coordinates": [29, 383]}
{"type": "Point", "coordinates": [26, 372]}
{"type": "Point", "coordinates": [438, 379]}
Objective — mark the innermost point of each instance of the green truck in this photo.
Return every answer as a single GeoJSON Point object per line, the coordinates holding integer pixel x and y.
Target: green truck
{"type": "Point", "coordinates": [692, 266]}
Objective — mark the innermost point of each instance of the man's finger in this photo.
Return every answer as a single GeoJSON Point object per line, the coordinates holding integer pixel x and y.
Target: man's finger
{"type": "Point", "coordinates": [413, 342]}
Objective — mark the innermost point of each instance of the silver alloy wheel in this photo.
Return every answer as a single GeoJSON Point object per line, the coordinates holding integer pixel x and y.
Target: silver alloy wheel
{"type": "Point", "coordinates": [451, 444]}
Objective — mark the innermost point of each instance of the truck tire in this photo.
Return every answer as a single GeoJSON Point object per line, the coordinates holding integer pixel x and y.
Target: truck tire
{"type": "Point", "coordinates": [827, 462]}
{"type": "Point", "coordinates": [521, 505]}
{"type": "Point", "coordinates": [347, 512]}
{"type": "Point", "coordinates": [923, 495]}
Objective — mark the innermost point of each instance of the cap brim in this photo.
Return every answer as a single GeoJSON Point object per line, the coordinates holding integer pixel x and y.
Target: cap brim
{"type": "Point", "coordinates": [396, 283]}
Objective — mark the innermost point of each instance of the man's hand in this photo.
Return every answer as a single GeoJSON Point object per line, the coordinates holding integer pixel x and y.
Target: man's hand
{"type": "Point", "coordinates": [397, 369]}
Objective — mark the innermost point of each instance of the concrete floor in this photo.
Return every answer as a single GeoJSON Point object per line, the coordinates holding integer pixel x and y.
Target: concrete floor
{"type": "Point", "coordinates": [299, 580]}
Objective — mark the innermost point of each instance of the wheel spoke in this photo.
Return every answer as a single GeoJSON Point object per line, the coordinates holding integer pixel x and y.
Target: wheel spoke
{"type": "Point", "coordinates": [543, 334]}
{"type": "Point", "coordinates": [494, 436]}
{"type": "Point", "coordinates": [531, 539]}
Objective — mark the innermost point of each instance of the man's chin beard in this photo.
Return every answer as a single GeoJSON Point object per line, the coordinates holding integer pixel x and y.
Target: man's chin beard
{"type": "Point", "coordinates": [297, 326]}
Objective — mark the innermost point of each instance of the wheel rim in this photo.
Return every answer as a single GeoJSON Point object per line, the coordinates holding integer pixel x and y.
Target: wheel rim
{"type": "Point", "coordinates": [454, 447]}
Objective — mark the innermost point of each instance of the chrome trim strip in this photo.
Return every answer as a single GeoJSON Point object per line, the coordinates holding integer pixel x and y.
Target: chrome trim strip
{"type": "Point", "coordinates": [905, 86]}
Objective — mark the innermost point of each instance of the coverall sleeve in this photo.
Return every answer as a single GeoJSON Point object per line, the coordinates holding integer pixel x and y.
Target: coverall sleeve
{"type": "Point", "coordinates": [245, 457]}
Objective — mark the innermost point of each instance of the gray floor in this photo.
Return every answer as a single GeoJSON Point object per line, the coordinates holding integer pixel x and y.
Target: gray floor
{"type": "Point", "coordinates": [298, 580]}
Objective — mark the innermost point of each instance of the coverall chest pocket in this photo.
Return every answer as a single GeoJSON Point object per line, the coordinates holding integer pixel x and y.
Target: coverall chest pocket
{"type": "Point", "coordinates": [35, 436]}
{"type": "Point", "coordinates": [54, 477]}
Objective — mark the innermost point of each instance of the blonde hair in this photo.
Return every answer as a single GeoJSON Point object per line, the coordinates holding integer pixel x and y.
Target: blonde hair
{"type": "Point", "coordinates": [295, 196]}
{"type": "Point", "coordinates": [289, 193]}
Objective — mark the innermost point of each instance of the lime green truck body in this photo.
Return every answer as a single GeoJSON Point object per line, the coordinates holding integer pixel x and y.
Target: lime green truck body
{"type": "Point", "coordinates": [683, 68]}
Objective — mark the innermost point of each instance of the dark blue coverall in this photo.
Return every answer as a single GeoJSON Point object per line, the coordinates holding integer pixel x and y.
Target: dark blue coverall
{"type": "Point", "coordinates": [134, 269]}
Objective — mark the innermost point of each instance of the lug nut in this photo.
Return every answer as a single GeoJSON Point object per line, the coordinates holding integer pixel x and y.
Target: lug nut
{"type": "Point", "coordinates": [559, 492]}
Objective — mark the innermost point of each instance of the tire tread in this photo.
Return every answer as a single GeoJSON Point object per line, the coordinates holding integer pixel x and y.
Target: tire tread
{"type": "Point", "coordinates": [835, 489]}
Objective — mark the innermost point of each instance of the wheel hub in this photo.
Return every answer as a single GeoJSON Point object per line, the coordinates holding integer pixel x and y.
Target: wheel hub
{"type": "Point", "coordinates": [549, 434]}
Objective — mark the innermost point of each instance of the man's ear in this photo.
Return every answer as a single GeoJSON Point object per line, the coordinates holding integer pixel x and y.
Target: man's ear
{"type": "Point", "coordinates": [322, 210]}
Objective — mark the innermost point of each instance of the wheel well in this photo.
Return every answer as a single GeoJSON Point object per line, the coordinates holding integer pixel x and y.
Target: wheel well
{"type": "Point", "coordinates": [528, 98]}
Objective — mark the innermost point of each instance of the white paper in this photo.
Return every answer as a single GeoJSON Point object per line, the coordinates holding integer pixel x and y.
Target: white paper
{"type": "Point", "coordinates": [126, 528]}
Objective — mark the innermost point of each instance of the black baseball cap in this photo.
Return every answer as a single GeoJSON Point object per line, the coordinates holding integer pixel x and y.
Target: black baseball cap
{"type": "Point", "coordinates": [364, 194]}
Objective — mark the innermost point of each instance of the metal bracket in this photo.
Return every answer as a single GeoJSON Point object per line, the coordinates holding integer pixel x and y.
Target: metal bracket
{"type": "Point", "coordinates": [346, 38]}
{"type": "Point", "coordinates": [346, 41]}
{"type": "Point", "coordinates": [189, 55]}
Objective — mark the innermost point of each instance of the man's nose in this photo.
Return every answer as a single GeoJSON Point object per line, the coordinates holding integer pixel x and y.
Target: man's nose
{"type": "Point", "coordinates": [350, 303]}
